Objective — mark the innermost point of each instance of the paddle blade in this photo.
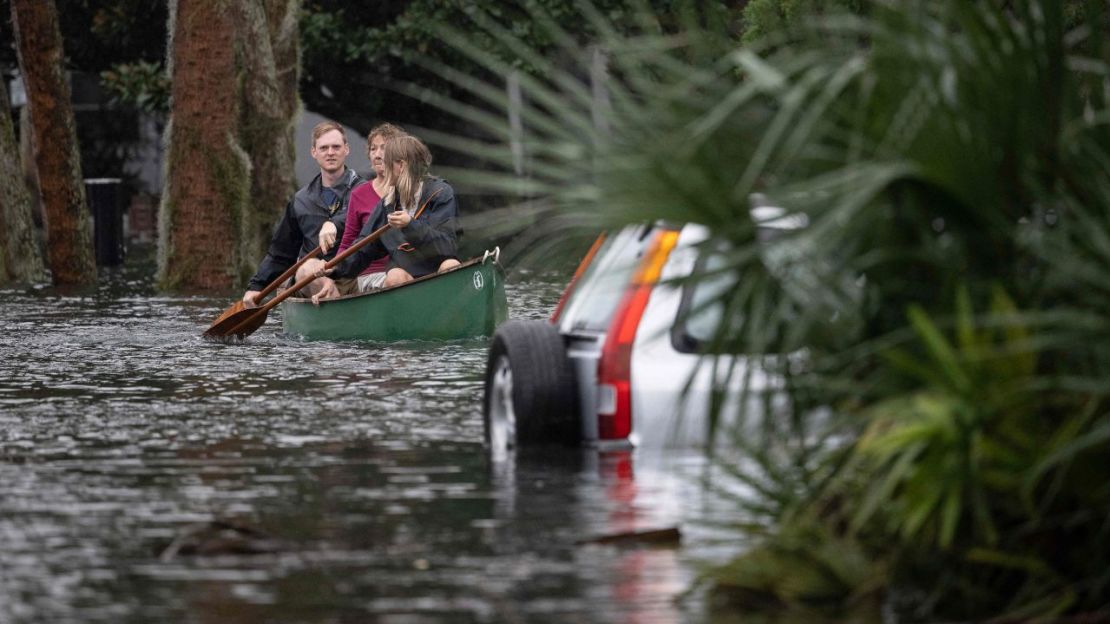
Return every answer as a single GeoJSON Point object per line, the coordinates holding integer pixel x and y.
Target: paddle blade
{"type": "Point", "coordinates": [239, 324]}
{"type": "Point", "coordinates": [232, 309]}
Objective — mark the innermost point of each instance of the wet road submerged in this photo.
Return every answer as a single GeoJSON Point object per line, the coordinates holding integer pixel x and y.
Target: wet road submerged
{"type": "Point", "coordinates": [120, 428]}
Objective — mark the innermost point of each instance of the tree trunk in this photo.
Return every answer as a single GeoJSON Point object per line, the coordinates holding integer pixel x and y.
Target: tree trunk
{"type": "Point", "coordinates": [207, 172]}
{"type": "Point", "coordinates": [67, 221]}
{"type": "Point", "coordinates": [30, 173]}
{"type": "Point", "coordinates": [230, 158]}
{"type": "Point", "coordinates": [271, 106]}
{"type": "Point", "coordinates": [20, 258]}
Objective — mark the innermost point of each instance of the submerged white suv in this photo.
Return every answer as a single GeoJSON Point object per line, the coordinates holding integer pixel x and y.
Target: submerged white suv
{"type": "Point", "coordinates": [619, 363]}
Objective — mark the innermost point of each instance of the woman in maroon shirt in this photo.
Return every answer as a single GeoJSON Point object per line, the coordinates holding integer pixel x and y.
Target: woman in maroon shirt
{"type": "Point", "coordinates": [363, 200]}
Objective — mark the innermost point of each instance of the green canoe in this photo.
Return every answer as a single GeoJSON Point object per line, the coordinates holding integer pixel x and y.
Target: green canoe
{"type": "Point", "coordinates": [466, 301]}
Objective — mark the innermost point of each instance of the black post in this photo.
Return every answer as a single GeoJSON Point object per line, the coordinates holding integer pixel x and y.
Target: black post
{"type": "Point", "coordinates": [103, 195]}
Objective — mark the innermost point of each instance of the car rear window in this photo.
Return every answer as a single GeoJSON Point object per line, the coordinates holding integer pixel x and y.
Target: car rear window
{"type": "Point", "coordinates": [599, 291]}
{"type": "Point", "coordinates": [701, 310]}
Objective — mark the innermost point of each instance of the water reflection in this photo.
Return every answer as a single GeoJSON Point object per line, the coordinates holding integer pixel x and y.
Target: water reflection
{"type": "Point", "coordinates": [120, 427]}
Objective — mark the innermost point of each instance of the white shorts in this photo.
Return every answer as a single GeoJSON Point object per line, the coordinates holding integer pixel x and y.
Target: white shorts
{"type": "Point", "coordinates": [371, 281]}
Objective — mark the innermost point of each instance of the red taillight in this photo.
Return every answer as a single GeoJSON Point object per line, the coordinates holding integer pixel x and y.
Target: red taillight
{"type": "Point", "coordinates": [614, 370]}
{"type": "Point", "coordinates": [577, 274]}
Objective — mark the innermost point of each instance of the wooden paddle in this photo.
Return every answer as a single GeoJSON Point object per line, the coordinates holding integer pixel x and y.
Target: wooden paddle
{"type": "Point", "coordinates": [239, 306]}
{"type": "Point", "coordinates": [244, 322]}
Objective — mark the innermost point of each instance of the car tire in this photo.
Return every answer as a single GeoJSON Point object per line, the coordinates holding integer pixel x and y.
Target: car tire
{"type": "Point", "coordinates": [531, 398]}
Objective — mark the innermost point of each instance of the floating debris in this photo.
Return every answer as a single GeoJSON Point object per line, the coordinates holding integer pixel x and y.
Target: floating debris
{"type": "Point", "coordinates": [221, 537]}
{"type": "Point", "coordinates": [660, 537]}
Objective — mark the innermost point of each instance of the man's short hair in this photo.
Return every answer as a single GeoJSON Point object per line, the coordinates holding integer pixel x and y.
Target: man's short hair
{"type": "Point", "coordinates": [324, 127]}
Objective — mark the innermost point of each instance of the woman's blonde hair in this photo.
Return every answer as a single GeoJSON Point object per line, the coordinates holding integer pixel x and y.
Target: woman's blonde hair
{"type": "Point", "coordinates": [412, 151]}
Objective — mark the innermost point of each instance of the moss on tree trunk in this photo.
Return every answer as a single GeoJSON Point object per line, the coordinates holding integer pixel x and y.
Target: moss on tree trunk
{"type": "Point", "coordinates": [20, 258]}
{"type": "Point", "coordinates": [230, 155]}
{"type": "Point", "coordinates": [271, 105]}
{"type": "Point", "coordinates": [57, 159]}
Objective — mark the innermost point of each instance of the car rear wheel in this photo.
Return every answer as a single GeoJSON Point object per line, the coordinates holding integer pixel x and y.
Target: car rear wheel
{"type": "Point", "coordinates": [531, 397]}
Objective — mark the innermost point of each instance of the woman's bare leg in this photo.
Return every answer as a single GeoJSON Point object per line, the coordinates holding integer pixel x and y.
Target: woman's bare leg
{"type": "Point", "coordinates": [396, 276]}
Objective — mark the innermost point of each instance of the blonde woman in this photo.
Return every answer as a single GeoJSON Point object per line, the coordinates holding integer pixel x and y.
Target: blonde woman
{"type": "Point", "coordinates": [422, 215]}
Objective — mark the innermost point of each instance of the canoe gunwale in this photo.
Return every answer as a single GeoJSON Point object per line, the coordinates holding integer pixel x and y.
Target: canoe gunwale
{"type": "Point", "coordinates": [489, 255]}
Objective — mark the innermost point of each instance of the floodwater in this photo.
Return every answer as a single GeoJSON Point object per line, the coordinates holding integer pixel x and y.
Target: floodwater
{"type": "Point", "coordinates": [124, 435]}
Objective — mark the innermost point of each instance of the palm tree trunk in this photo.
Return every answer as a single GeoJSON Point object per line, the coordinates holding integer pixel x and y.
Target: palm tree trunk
{"type": "Point", "coordinates": [207, 177]}
{"type": "Point", "coordinates": [68, 224]}
{"type": "Point", "coordinates": [271, 104]}
{"type": "Point", "coordinates": [20, 258]}
{"type": "Point", "coordinates": [230, 137]}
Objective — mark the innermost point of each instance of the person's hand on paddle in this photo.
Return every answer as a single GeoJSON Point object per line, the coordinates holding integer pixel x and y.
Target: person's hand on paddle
{"type": "Point", "coordinates": [399, 219]}
{"type": "Point", "coordinates": [248, 299]}
{"type": "Point", "coordinates": [327, 236]}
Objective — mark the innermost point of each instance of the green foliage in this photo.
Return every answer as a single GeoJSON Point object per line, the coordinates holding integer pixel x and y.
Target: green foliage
{"type": "Point", "coordinates": [763, 18]}
{"type": "Point", "coordinates": [950, 448]}
{"type": "Point", "coordinates": [356, 59]}
{"type": "Point", "coordinates": [141, 84]}
{"type": "Point", "coordinates": [413, 32]}
{"type": "Point", "coordinates": [806, 568]}
{"type": "Point", "coordinates": [949, 159]}
{"type": "Point", "coordinates": [98, 34]}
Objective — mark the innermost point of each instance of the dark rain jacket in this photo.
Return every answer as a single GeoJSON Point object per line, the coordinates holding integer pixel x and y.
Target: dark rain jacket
{"type": "Point", "coordinates": [298, 231]}
{"type": "Point", "coordinates": [420, 246]}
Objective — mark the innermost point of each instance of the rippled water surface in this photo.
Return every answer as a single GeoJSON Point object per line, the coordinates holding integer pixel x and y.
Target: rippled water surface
{"type": "Point", "coordinates": [362, 464]}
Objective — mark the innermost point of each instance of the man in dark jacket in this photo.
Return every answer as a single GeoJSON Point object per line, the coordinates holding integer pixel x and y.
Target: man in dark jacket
{"type": "Point", "coordinates": [314, 215]}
